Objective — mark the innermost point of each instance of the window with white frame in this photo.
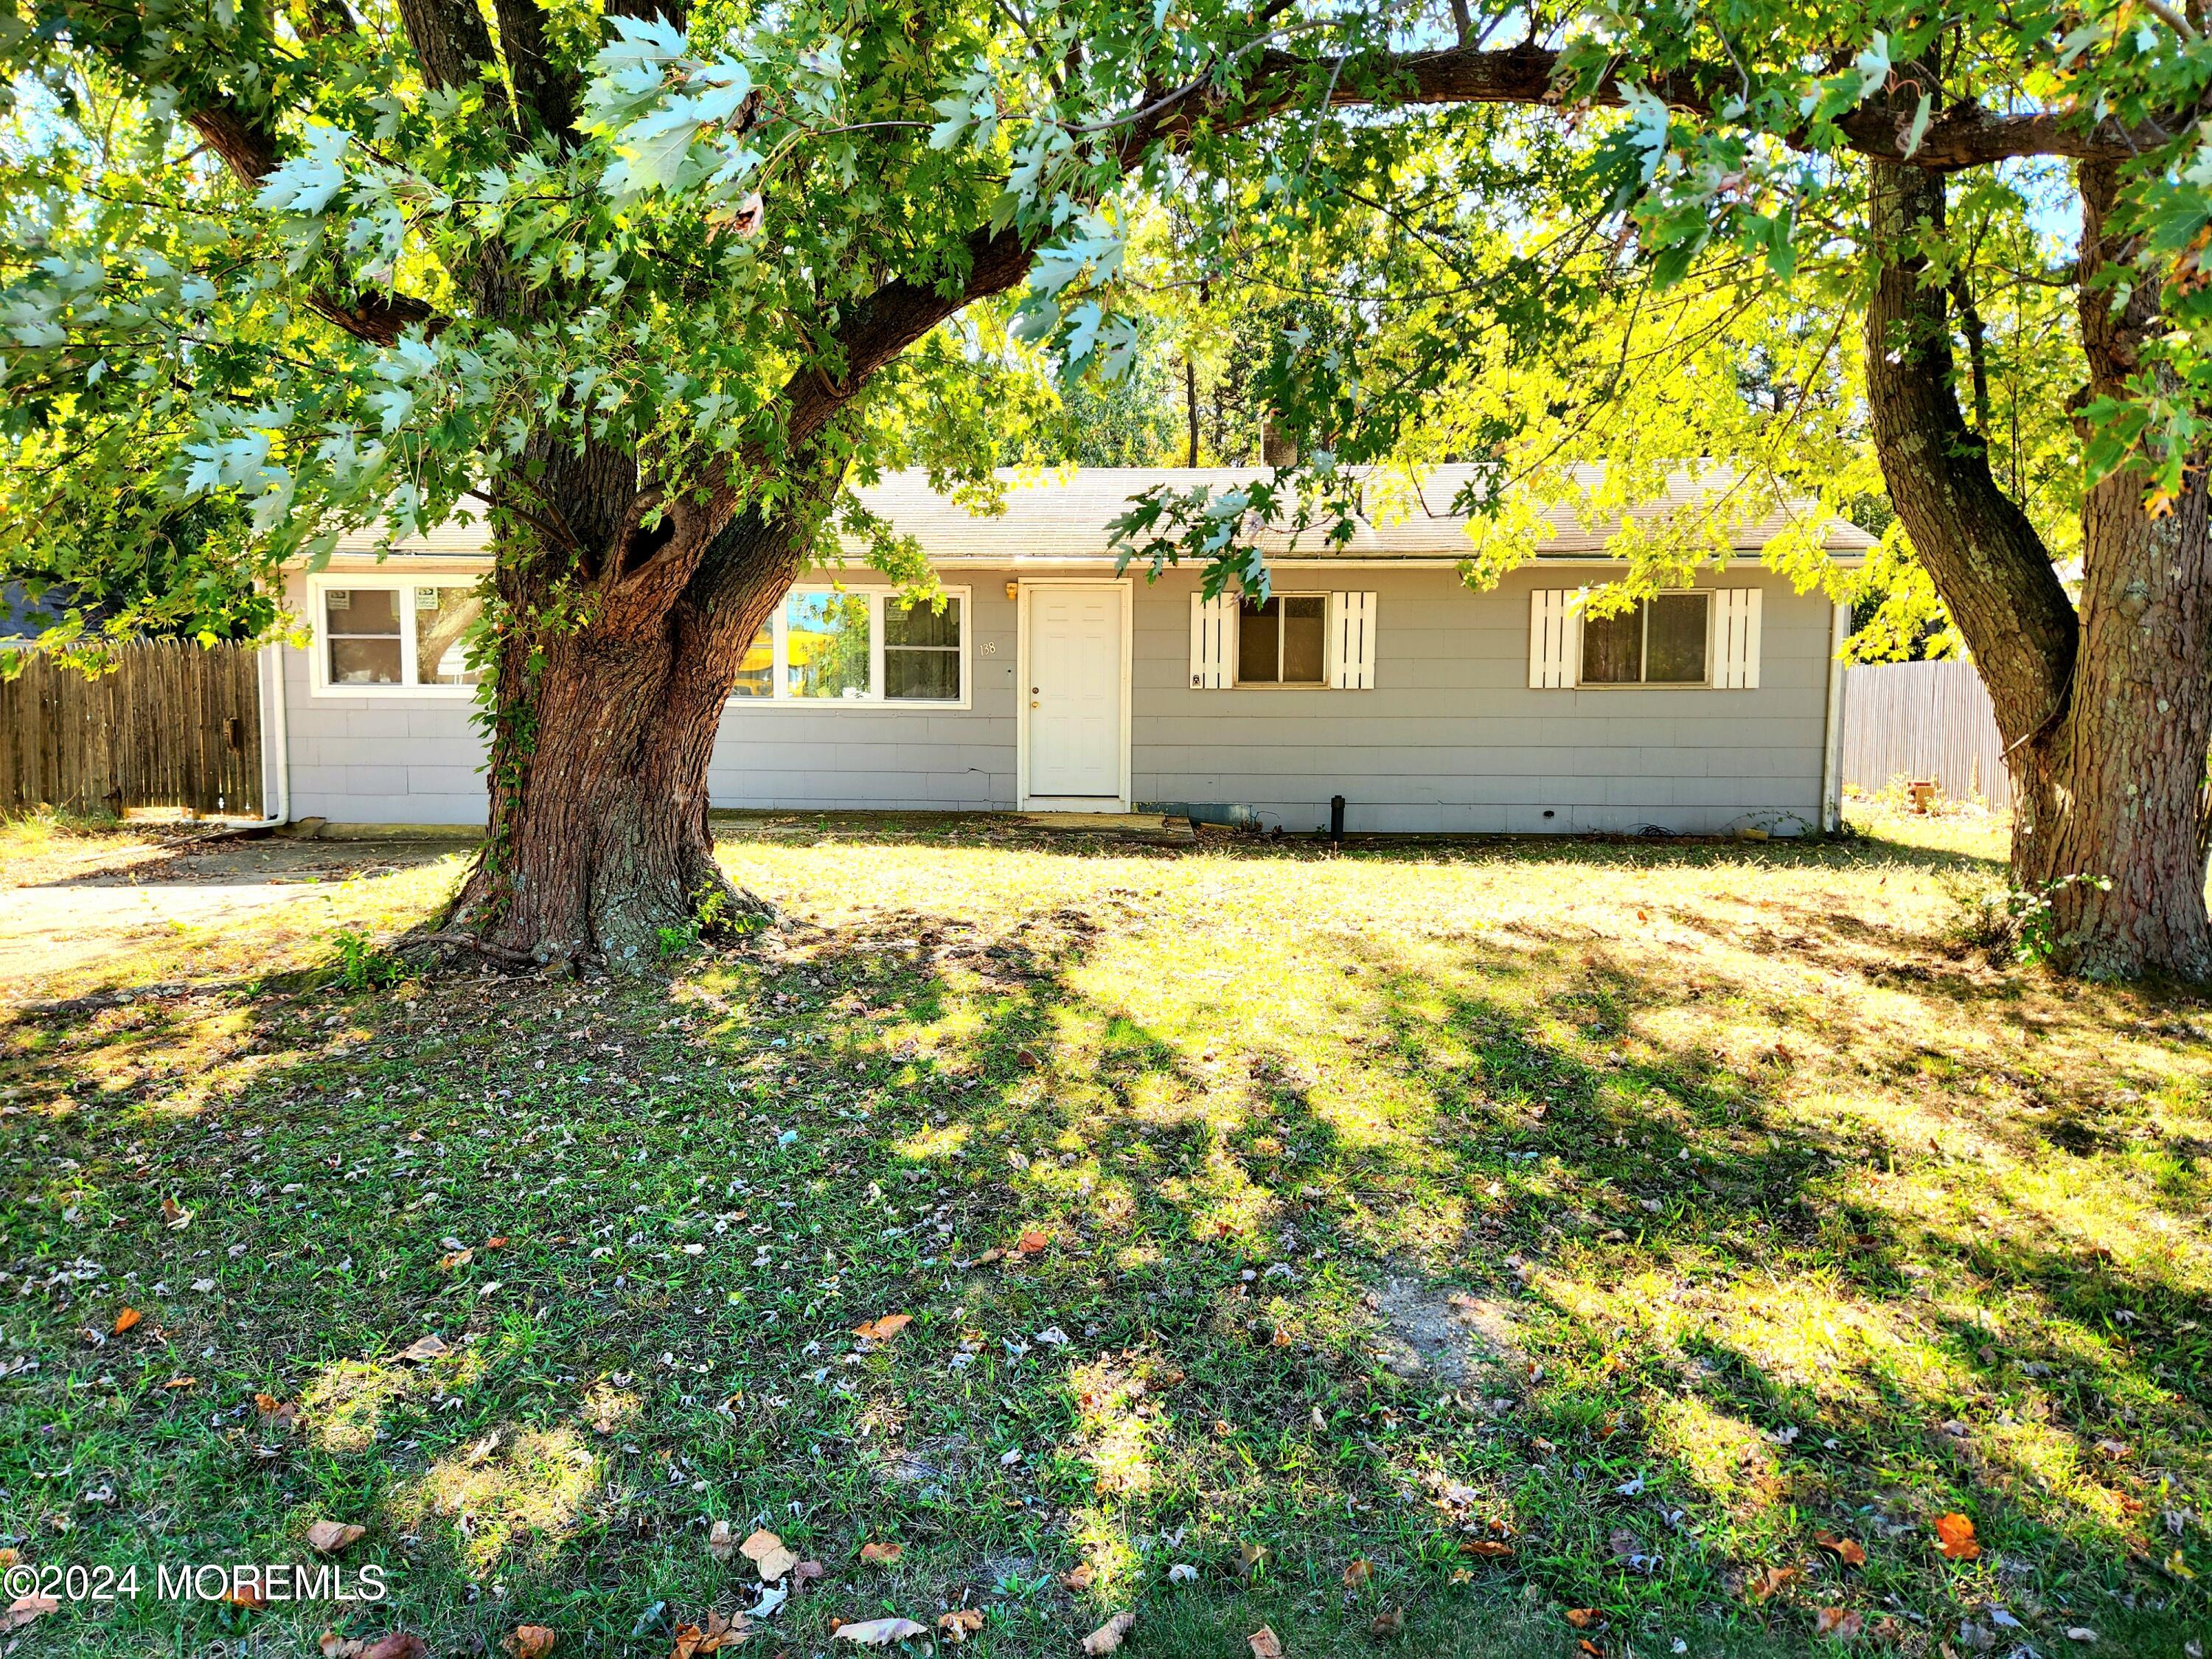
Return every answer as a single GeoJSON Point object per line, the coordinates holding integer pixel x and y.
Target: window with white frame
{"type": "Point", "coordinates": [847, 646]}
{"type": "Point", "coordinates": [386, 634]}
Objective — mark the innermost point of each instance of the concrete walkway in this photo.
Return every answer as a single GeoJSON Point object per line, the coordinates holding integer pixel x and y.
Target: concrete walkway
{"type": "Point", "coordinates": [95, 901]}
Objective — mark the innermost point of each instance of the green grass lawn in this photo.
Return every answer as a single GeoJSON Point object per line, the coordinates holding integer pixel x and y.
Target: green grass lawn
{"type": "Point", "coordinates": [1539, 1245]}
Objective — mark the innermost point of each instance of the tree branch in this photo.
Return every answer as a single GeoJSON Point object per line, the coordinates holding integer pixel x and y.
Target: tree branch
{"type": "Point", "coordinates": [892, 319]}
{"type": "Point", "coordinates": [249, 150]}
{"type": "Point", "coordinates": [1966, 136]}
{"type": "Point", "coordinates": [1991, 568]}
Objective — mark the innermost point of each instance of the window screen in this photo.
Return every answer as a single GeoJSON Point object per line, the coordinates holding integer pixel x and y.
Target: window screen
{"type": "Point", "coordinates": [1675, 640]}
{"type": "Point", "coordinates": [922, 650]}
{"type": "Point", "coordinates": [1283, 641]}
{"type": "Point", "coordinates": [361, 625]}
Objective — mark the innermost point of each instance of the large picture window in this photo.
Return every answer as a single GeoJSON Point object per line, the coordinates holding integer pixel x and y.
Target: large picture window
{"type": "Point", "coordinates": [865, 646]}
{"type": "Point", "coordinates": [1661, 641]}
{"type": "Point", "coordinates": [388, 635]}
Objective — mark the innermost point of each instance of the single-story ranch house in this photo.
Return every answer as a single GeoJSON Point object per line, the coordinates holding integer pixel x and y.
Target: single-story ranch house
{"type": "Point", "coordinates": [1047, 683]}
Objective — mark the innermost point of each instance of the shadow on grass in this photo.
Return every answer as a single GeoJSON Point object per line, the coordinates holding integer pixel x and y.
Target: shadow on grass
{"type": "Point", "coordinates": [1677, 1300]}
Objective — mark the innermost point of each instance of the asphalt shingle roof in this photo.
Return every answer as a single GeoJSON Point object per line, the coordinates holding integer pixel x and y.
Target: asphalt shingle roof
{"type": "Point", "coordinates": [1063, 514]}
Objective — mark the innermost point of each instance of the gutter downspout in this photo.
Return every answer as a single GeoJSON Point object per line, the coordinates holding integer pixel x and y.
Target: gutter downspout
{"type": "Point", "coordinates": [275, 740]}
{"type": "Point", "coordinates": [1832, 750]}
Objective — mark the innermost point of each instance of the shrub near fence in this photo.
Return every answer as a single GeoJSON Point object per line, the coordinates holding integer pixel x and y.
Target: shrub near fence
{"type": "Point", "coordinates": [174, 725]}
{"type": "Point", "coordinates": [1924, 720]}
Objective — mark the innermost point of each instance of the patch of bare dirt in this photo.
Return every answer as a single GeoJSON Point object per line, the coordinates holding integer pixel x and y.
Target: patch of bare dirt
{"type": "Point", "coordinates": [1451, 1338]}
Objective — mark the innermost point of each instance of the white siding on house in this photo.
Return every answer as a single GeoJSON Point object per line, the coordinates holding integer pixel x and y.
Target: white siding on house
{"type": "Point", "coordinates": [844, 757]}
{"type": "Point", "coordinates": [1454, 738]}
{"type": "Point", "coordinates": [1450, 736]}
{"type": "Point", "coordinates": [390, 758]}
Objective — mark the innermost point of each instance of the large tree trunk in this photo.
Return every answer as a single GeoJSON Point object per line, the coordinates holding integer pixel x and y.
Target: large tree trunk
{"type": "Point", "coordinates": [2107, 715]}
{"type": "Point", "coordinates": [599, 834]}
{"type": "Point", "coordinates": [2115, 787]}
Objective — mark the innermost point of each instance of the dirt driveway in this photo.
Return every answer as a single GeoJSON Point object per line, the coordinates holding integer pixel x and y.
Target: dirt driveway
{"type": "Point", "coordinates": [75, 901]}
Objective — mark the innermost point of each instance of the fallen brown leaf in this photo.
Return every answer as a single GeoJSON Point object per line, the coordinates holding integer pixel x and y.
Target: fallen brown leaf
{"type": "Point", "coordinates": [1080, 1578]}
{"type": "Point", "coordinates": [722, 1543]}
{"type": "Point", "coordinates": [1485, 1547]}
{"type": "Point", "coordinates": [1032, 1242]}
{"type": "Point", "coordinates": [1584, 1618]}
{"type": "Point", "coordinates": [24, 1609]}
{"type": "Point", "coordinates": [126, 1320]}
{"type": "Point", "coordinates": [1249, 1556]}
{"type": "Point", "coordinates": [716, 1634]}
{"type": "Point", "coordinates": [960, 1623]}
{"type": "Point", "coordinates": [1768, 1580]}
{"type": "Point", "coordinates": [882, 1555]}
{"type": "Point", "coordinates": [1834, 1621]}
{"type": "Point", "coordinates": [528, 1641]}
{"type": "Point", "coordinates": [1954, 1536]}
{"type": "Point", "coordinates": [1265, 1644]}
{"type": "Point", "coordinates": [247, 1596]}
{"type": "Point", "coordinates": [1850, 1551]}
{"type": "Point", "coordinates": [1359, 1573]}
{"type": "Point", "coordinates": [329, 1537]}
{"type": "Point", "coordinates": [392, 1645]}
{"type": "Point", "coordinates": [1107, 1637]}
{"type": "Point", "coordinates": [884, 1329]}
{"type": "Point", "coordinates": [425, 1347]}
{"type": "Point", "coordinates": [766, 1552]}
{"type": "Point", "coordinates": [182, 1382]}
{"type": "Point", "coordinates": [1389, 1622]}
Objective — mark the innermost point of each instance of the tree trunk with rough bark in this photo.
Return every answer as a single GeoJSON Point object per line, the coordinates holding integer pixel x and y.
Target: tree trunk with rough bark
{"type": "Point", "coordinates": [599, 836]}
{"type": "Point", "coordinates": [2106, 713]}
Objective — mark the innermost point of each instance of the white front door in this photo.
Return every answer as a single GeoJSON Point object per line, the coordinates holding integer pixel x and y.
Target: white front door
{"type": "Point", "coordinates": [1077, 643]}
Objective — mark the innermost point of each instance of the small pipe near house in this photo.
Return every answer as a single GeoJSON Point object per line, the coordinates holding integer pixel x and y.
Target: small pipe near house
{"type": "Point", "coordinates": [1832, 749]}
{"type": "Point", "coordinates": [276, 742]}
{"type": "Point", "coordinates": [1336, 820]}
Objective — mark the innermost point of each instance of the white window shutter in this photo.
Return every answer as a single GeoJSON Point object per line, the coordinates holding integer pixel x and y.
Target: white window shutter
{"type": "Point", "coordinates": [1212, 641]}
{"type": "Point", "coordinates": [1352, 642]}
{"type": "Point", "coordinates": [1735, 639]}
{"type": "Point", "coordinates": [1551, 638]}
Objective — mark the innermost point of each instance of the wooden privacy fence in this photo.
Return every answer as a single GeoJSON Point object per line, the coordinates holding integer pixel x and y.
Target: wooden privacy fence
{"type": "Point", "coordinates": [175, 725]}
{"type": "Point", "coordinates": [1924, 720]}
